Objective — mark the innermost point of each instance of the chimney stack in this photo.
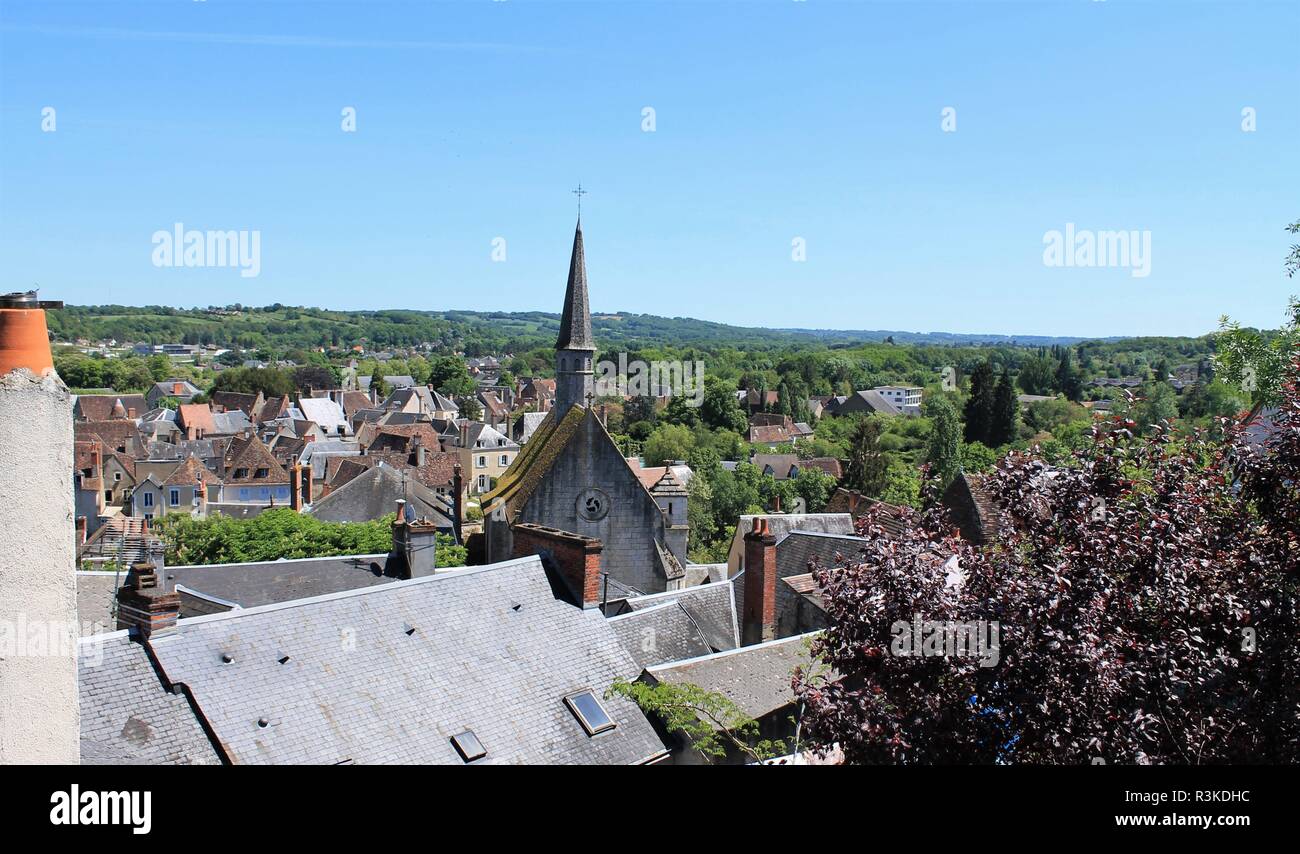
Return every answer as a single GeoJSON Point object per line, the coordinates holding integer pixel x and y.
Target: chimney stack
{"type": "Point", "coordinates": [295, 488]}
{"type": "Point", "coordinates": [758, 619]}
{"type": "Point", "coordinates": [144, 605]}
{"type": "Point", "coordinates": [574, 557]}
{"type": "Point", "coordinates": [39, 719]}
{"type": "Point", "coordinates": [414, 546]}
{"type": "Point", "coordinates": [457, 501]}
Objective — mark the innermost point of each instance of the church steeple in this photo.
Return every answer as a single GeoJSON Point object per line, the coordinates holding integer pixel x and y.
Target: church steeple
{"type": "Point", "coordinates": [575, 324]}
{"type": "Point", "coordinates": [575, 348]}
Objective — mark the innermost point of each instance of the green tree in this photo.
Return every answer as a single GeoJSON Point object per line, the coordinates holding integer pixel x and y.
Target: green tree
{"type": "Point", "coordinates": [867, 466]}
{"type": "Point", "coordinates": [979, 406]}
{"type": "Point", "coordinates": [710, 722]}
{"type": "Point", "coordinates": [815, 487]}
{"type": "Point", "coordinates": [943, 447]}
{"type": "Point", "coordinates": [1002, 429]}
{"type": "Point", "coordinates": [903, 484]}
{"type": "Point", "coordinates": [721, 410]}
{"type": "Point", "coordinates": [668, 442]}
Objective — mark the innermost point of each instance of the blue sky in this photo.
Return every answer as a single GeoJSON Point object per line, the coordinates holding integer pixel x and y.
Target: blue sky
{"type": "Point", "coordinates": [773, 121]}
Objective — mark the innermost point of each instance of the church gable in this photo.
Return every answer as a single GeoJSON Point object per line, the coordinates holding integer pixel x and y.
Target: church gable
{"type": "Point", "coordinates": [588, 488]}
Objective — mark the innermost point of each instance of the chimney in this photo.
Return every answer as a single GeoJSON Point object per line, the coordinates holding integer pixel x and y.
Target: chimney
{"type": "Point", "coordinates": [130, 412]}
{"type": "Point", "coordinates": [574, 557]}
{"type": "Point", "coordinates": [295, 488]}
{"type": "Point", "coordinates": [144, 605]}
{"type": "Point", "coordinates": [178, 389]}
{"type": "Point", "coordinates": [39, 722]}
{"type": "Point", "coordinates": [464, 434]}
{"type": "Point", "coordinates": [457, 501]}
{"type": "Point", "coordinates": [96, 460]}
{"type": "Point", "coordinates": [81, 530]}
{"type": "Point", "coordinates": [419, 453]}
{"type": "Point", "coordinates": [308, 477]}
{"type": "Point", "coordinates": [758, 619]}
{"type": "Point", "coordinates": [414, 546]}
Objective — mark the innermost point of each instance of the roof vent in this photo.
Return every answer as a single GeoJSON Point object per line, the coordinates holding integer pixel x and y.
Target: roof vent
{"type": "Point", "coordinates": [227, 658]}
{"type": "Point", "coordinates": [284, 659]}
{"type": "Point", "coordinates": [263, 722]}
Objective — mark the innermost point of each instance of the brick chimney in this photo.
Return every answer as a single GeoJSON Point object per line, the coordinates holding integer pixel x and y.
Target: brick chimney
{"type": "Point", "coordinates": [758, 618]}
{"type": "Point", "coordinates": [178, 389]}
{"type": "Point", "coordinates": [39, 719]}
{"type": "Point", "coordinates": [295, 488]}
{"type": "Point", "coordinates": [143, 604]}
{"type": "Point", "coordinates": [576, 558]}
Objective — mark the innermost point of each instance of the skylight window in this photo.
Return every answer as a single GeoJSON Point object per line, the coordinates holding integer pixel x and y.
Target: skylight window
{"type": "Point", "coordinates": [589, 712]}
{"type": "Point", "coordinates": [468, 745]}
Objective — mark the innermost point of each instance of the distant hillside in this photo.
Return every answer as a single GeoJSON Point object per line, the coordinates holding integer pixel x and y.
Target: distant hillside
{"type": "Point", "coordinates": [279, 326]}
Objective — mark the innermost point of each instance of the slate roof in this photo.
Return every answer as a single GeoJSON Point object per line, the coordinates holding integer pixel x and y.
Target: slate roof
{"type": "Point", "coordinates": [711, 608]}
{"type": "Point", "coordinates": [662, 633]}
{"type": "Point", "coordinates": [374, 493]}
{"type": "Point", "coordinates": [390, 674]}
{"type": "Point", "coordinates": [229, 423]}
{"type": "Point", "coordinates": [524, 474]}
{"type": "Point", "coordinates": [267, 582]}
{"type": "Point", "coordinates": [575, 322]}
{"type": "Point", "coordinates": [128, 717]}
{"type": "Point", "coordinates": [529, 424]}
{"type": "Point", "coordinates": [96, 592]}
{"type": "Point", "coordinates": [325, 412]}
{"type": "Point", "coordinates": [782, 523]}
{"type": "Point", "coordinates": [756, 678]}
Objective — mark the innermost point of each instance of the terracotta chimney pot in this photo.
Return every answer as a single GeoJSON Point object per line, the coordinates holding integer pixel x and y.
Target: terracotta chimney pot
{"type": "Point", "coordinates": [24, 341]}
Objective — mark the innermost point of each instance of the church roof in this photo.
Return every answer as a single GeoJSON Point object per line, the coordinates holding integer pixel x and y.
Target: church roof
{"type": "Point", "coordinates": [575, 324]}
{"type": "Point", "coordinates": [532, 463]}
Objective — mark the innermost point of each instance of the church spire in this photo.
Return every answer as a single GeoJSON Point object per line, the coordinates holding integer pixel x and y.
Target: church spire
{"type": "Point", "coordinates": [575, 324]}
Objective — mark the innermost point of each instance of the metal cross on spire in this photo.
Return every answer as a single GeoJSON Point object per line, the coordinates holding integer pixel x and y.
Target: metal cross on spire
{"type": "Point", "coordinates": [579, 193]}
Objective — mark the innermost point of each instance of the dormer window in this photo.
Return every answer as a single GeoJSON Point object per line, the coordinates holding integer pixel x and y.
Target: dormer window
{"type": "Point", "coordinates": [261, 473]}
{"type": "Point", "coordinates": [241, 473]}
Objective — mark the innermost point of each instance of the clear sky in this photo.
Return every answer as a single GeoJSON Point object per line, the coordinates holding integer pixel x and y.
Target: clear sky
{"type": "Point", "coordinates": [773, 121]}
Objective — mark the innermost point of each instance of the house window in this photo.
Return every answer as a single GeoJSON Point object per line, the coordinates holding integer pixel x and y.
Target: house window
{"type": "Point", "coordinates": [108, 495]}
{"type": "Point", "coordinates": [505, 459]}
{"type": "Point", "coordinates": [482, 462]}
{"type": "Point", "coordinates": [241, 473]}
{"type": "Point", "coordinates": [261, 473]}
{"type": "Point", "coordinates": [117, 476]}
{"type": "Point", "coordinates": [174, 497]}
{"type": "Point", "coordinates": [589, 712]}
{"type": "Point", "coordinates": [148, 499]}
{"type": "Point", "coordinates": [482, 483]}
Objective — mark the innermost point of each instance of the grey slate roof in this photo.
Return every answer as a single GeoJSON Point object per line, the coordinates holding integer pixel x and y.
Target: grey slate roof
{"type": "Point", "coordinates": [575, 323]}
{"type": "Point", "coordinates": [755, 678]}
{"type": "Point", "coordinates": [128, 717]}
{"type": "Point", "coordinates": [710, 606]}
{"type": "Point", "coordinates": [654, 635]}
{"type": "Point", "coordinates": [781, 524]}
{"type": "Point", "coordinates": [389, 674]}
{"type": "Point", "coordinates": [252, 584]}
{"type": "Point", "coordinates": [95, 595]}
{"type": "Point", "coordinates": [374, 493]}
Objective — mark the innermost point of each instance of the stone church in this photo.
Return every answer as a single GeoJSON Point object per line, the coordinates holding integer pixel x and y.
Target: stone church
{"type": "Point", "coordinates": [571, 475]}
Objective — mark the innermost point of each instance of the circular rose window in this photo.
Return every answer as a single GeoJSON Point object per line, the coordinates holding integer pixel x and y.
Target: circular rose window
{"type": "Point", "coordinates": [593, 504]}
